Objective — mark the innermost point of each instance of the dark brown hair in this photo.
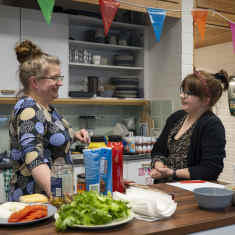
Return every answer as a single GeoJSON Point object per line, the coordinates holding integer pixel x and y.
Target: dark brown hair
{"type": "Point", "coordinates": [33, 62]}
{"type": "Point", "coordinates": [203, 84]}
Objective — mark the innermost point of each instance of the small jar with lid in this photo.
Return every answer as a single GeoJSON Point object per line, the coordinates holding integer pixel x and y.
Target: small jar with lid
{"type": "Point", "coordinates": [81, 183]}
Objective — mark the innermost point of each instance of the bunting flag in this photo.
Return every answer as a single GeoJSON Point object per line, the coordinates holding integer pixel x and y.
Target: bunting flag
{"type": "Point", "coordinates": [108, 10]}
{"type": "Point", "coordinates": [199, 18]}
{"type": "Point", "coordinates": [157, 18]}
{"type": "Point", "coordinates": [232, 26]}
{"type": "Point", "coordinates": [46, 8]}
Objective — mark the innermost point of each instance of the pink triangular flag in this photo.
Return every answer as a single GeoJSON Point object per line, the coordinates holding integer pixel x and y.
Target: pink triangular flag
{"type": "Point", "coordinates": [232, 26]}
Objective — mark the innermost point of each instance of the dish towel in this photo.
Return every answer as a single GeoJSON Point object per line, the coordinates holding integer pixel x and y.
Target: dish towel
{"type": "Point", "coordinates": [148, 205]}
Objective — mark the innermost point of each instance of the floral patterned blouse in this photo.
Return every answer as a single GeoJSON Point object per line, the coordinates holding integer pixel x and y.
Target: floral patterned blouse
{"type": "Point", "coordinates": [178, 149]}
{"type": "Point", "coordinates": [37, 136]}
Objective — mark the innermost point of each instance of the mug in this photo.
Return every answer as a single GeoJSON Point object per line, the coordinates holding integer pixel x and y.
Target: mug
{"type": "Point", "coordinates": [96, 59]}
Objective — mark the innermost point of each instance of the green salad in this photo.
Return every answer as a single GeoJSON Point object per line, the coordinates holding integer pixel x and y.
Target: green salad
{"type": "Point", "coordinates": [91, 208]}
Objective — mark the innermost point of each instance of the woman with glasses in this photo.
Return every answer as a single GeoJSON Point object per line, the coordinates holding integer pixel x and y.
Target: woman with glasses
{"type": "Point", "coordinates": [192, 143]}
{"type": "Point", "coordinates": [38, 133]}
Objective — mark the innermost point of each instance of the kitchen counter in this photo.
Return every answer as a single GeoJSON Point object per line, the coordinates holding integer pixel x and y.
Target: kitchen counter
{"type": "Point", "coordinates": [188, 218]}
{"type": "Point", "coordinates": [126, 157]}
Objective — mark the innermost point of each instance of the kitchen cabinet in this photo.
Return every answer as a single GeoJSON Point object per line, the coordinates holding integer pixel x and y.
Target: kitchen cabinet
{"type": "Point", "coordinates": [52, 38]}
{"type": "Point", "coordinates": [87, 40]}
{"type": "Point", "coordinates": [9, 36]}
{"type": "Point", "coordinates": [138, 170]}
{"type": "Point", "coordinates": [18, 24]}
{"type": "Point", "coordinates": [152, 60]}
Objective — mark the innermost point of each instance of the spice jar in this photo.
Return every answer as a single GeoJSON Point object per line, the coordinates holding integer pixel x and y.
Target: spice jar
{"type": "Point", "coordinates": [81, 183]}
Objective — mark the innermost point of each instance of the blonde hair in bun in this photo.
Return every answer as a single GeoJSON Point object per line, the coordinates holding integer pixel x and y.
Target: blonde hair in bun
{"type": "Point", "coordinates": [26, 50]}
{"type": "Point", "coordinates": [33, 62]}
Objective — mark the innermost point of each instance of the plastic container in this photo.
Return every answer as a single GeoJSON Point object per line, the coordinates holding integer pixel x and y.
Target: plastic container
{"type": "Point", "coordinates": [97, 142]}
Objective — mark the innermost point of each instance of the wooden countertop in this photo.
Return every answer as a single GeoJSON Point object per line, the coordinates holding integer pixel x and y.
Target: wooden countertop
{"type": "Point", "coordinates": [188, 218]}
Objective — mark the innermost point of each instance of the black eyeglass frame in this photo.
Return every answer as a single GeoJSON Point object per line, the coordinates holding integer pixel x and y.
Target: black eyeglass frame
{"type": "Point", "coordinates": [55, 78]}
{"type": "Point", "coordinates": [186, 93]}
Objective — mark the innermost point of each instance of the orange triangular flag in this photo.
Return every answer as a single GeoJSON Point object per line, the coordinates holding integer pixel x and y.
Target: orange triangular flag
{"type": "Point", "coordinates": [199, 18]}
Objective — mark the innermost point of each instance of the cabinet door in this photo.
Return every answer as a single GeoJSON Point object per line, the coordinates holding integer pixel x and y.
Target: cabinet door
{"type": "Point", "coordinates": [52, 38]}
{"type": "Point", "coordinates": [138, 171]}
{"type": "Point", "coordinates": [9, 36]}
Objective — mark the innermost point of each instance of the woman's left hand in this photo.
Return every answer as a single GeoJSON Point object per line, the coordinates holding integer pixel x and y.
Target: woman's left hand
{"type": "Point", "coordinates": [82, 135]}
{"type": "Point", "coordinates": [165, 171]}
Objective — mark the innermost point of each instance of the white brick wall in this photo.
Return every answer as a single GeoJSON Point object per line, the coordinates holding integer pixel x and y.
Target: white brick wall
{"type": "Point", "coordinates": [213, 59]}
{"type": "Point", "coordinates": [187, 37]}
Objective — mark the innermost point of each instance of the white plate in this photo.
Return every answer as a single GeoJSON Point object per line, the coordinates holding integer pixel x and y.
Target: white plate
{"type": "Point", "coordinates": [51, 211]}
{"type": "Point", "coordinates": [109, 225]}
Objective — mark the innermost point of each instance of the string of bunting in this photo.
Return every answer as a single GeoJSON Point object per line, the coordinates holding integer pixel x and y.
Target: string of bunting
{"type": "Point", "coordinates": [109, 8]}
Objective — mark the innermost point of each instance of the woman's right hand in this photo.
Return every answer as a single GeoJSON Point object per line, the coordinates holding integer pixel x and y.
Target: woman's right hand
{"type": "Point", "coordinates": [155, 173]}
{"type": "Point", "coordinates": [82, 136]}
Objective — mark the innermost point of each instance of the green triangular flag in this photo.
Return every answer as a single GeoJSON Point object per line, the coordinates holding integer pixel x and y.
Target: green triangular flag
{"type": "Point", "coordinates": [47, 8]}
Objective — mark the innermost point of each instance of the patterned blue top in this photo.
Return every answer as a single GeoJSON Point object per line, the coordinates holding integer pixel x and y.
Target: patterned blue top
{"type": "Point", "coordinates": [37, 136]}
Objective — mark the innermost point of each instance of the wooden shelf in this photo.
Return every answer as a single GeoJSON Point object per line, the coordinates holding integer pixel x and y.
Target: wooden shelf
{"type": "Point", "coordinates": [91, 101]}
{"type": "Point", "coordinates": [97, 45]}
{"type": "Point", "coordinates": [108, 67]}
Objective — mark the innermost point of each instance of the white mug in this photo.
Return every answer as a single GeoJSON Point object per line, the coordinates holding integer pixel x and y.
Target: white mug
{"type": "Point", "coordinates": [96, 59]}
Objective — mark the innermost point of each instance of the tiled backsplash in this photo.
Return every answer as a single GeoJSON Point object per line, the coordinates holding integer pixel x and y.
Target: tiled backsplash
{"type": "Point", "coordinates": [160, 111]}
{"type": "Point", "coordinates": [106, 117]}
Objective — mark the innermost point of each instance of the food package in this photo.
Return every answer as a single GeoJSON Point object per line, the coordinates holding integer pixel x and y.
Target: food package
{"type": "Point", "coordinates": [98, 169]}
{"type": "Point", "coordinates": [115, 142]}
{"type": "Point", "coordinates": [148, 205]}
{"type": "Point", "coordinates": [34, 198]}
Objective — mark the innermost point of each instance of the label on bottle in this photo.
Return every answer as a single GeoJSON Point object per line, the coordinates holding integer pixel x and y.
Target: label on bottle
{"type": "Point", "coordinates": [56, 186]}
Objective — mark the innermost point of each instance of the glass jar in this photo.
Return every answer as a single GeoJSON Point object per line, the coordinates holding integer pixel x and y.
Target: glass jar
{"type": "Point", "coordinates": [62, 179]}
{"type": "Point", "coordinates": [81, 183]}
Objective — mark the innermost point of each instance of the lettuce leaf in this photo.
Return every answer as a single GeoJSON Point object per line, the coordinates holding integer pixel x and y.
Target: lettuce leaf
{"type": "Point", "coordinates": [91, 208]}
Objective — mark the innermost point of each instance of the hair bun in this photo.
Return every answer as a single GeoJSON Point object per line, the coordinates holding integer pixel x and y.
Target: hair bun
{"type": "Point", "coordinates": [25, 50]}
{"type": "Point", "coordinates": [222, 75]}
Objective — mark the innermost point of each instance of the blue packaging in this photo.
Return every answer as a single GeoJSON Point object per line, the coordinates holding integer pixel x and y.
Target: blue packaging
{"type": "Point", "coordinates": [92, 166]}
{"type": "Point", "coordinates": [98, 169]}
{"type": "Point", "coordinates": [105, 170]}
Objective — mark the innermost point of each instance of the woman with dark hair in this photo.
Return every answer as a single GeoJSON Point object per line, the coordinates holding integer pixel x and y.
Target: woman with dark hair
{"type": "Point", "coordinates": [38, 133]}
{"type": "Point", "coordinates": [192, 143]}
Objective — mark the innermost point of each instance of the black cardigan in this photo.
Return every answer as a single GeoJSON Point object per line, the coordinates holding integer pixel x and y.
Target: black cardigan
{"type": "Point", "coordinates": [207, 149]}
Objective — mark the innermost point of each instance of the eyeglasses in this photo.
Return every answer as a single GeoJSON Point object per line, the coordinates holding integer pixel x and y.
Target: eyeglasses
{"type": "Point", "coordinates": [54, 78]}
{"type": "Point", "coordinates": [186, 93]}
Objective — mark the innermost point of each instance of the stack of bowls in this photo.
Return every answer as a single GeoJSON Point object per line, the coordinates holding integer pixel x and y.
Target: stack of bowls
{"type": "Point", "coordinates": [126, 86]}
